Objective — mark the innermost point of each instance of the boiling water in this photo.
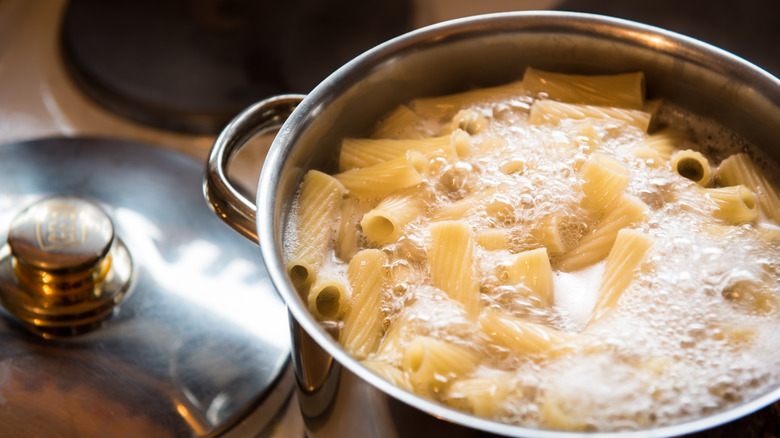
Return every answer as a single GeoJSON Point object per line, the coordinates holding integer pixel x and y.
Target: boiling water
{"type": "Point", "coordinates": [695, 332]}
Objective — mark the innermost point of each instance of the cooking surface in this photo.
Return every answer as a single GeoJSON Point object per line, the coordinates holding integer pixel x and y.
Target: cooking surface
{"type": "Point", "coordinates": [192, 66]}
{"type": "Point", "coordinates": [38, 96]}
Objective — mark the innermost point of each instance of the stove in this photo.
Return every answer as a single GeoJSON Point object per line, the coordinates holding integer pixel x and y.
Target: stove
{"type": "Point", "coordinates": [91, 68]}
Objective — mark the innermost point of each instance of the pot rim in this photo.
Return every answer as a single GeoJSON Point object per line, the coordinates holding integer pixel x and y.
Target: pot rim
{"type": "Point", "coordinates": [666, 42]}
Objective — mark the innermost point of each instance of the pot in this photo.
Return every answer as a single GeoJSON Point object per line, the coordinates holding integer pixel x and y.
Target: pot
{"type": "Point", "coordinates": [338, 397]}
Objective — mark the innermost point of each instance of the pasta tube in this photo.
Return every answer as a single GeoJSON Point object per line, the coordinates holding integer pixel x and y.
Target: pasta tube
{"type": "Point", "coordinates": [362, 328]}
{"type": "Point", "coordinates": [389, 372]}
{"type": "Point", "coordinates": [587, 138]}
{"type": "Point", "coordinates": [357, 153]}
{"type": "Point", "coordinates": [493, 239]}
{"type": "Point", "coordinates": [432, 363]}
{"type": "Point", "coordinates": [400, 333]}
{"type": "Point", "coordinates": [481, 395]}
{"type": "Point", "coordinates": [603, 180]}
{"type": "Point", "coordinates": [556, 234]}
{"type": "Point", "coordinates": [626, 254]}
{"type": "Point", "coordinates": [460, 143]}
{"type": "Point", "coordinates": [459, 209]}
{"type": "Point", "coordinates": [318, 206]}
{"type": "Point", "coordinates": [552, 112]}
{"type": "Point", "coordinates": [348, 233]}
{"type": "Point", "coordinates": [402, 123]}
{"type": "Point", "coordinates": [469, 121]}
{"type": "Point", "coordinates": [735, 204]}
{"type": "Point", "coordinates": [650, 156]}
{"type": "Point", "coordinates": [327, 298]}
{"type": "Point", "coordinates": [532, 269]}
{"type": "Point", "coordinates": [382, 179]}
{"type": "Point", "coordinates": [451, 260]}
{"type": "Point", "coordinates": [621, 90]}
{"type": "Point", "coordinates": [384, 223]}
{"type": "Point", "coordinates": [595, 246]}
{"type": "Point", "coordinates": [769, 233]}
{"type": "Point", "coordinates": [444, 107]}
{"type": "Point", "coordinates": [658, 148]}
{"type": "Point", "coordinates": [740, 169]}
{"type": "Point", "coordinates": [692, 165]}
{"type": "Point", "coordinates": [521, 336]}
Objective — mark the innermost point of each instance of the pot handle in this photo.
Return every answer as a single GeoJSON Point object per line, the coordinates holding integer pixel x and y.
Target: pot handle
{"type": "Point", "coordinates": [227, 202]}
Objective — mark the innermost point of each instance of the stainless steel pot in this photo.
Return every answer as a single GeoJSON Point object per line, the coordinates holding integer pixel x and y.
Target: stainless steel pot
{"type": "Point", "coordinates": [338, 397]}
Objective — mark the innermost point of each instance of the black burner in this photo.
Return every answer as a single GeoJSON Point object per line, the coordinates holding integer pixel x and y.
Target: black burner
{"type": "Point", "coordinates": [191, 65]}
{"type": "Point", "coordinates": [749, 29]}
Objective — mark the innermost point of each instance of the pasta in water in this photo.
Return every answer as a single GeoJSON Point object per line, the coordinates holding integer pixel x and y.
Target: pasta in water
{"type": "Point", "coordinates": [556, 253]}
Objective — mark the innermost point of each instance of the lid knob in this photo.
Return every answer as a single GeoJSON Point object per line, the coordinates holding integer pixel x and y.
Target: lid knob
{"type": "Point", "coordinates": [63, 269]}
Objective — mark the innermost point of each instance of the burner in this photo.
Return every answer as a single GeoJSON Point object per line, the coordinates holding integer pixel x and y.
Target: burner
{"type": "Point", "coordinates": [191, 65]}
{"type": "Point", "coordinates": [750, 28]}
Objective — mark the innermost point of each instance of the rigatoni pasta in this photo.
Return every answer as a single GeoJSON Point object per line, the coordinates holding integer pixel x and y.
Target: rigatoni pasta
{"type": "Point", "coordinates": [348, 232]}
{"type": "Point", "coordinates": [556, 234]}
{"type": "Point", "coordinates": [594, 247]}
{"type": "Point", "coordinates": [328, 298]}
{"type": "Point", "coordinates": [385, 222]}
{"type": "Point", "coordinates": [553, 112]}
{"type": "Point", "coordinates": [389, 372]}
{"type": "Point", "coordinates": [522, 336]}
{"type": "Point", "coordinates": [318, 206]}
{"type": "Point", "coordinates": [493, 239]}
{"type": "Point", "coordinates": [625, 256]}
{"type": "Point", "coordinates": [692, 165]}
{"type": "Point", "coordinates": [603, 180]}
{"type": "Point", "coordinates": [357, 153]}
{"type": "Point", "coordinates": [362, 329]}
{"type": "Point", "coordinates": [659, 146]}
{"type": "Point", "coordinates": [402, 123]}
{"type": "Point", "coordinates": [451, 261]}
{"type": "Point", "coordinates": [444, 107]}
{"type": "Point", "coordinates": [740, 169]}
{"type": "Point", "coordinates": [431, 363]}
{"type": "Point", "coordinates": [624, 90]}
{"type": "Point", "coordinates": [384, 178]}
{"type": "Point", "coordinates": [532, 269]}
{"type": "Point", "coordinates": [735, 204]}
{"type": "Point", "coordinates": [554, 252]}
{"type": "Point", "coordinates": [482, 395]}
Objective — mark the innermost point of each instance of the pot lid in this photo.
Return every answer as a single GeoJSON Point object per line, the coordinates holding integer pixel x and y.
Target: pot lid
{"type": "Point", "coordinates": [128, 308]}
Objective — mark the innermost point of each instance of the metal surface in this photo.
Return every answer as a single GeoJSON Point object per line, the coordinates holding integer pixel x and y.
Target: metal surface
{"type": "Point", "coordinates": [225, 200]}
{"type": "Point", "coordinates": [451, 57]}
{"type": "Point", "coordinates": [192, 65]}
{"type": "Point", "coordinates": [199, 345]}
{"type": "Point", "coordinates": [750, 30]}
{"type": "Point", "coordinates": [63, 271]}
{"type": "Point", "coordinates": [61, 234]}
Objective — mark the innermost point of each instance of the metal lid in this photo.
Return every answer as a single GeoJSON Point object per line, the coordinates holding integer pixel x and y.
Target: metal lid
{"type": "Point", "coordinates": [128, 308]}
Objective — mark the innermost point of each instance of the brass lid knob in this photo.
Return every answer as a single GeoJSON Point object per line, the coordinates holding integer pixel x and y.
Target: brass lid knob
{"type": "Point", "coordinates": [61, 234]}
{"type": "Point", "coordinates": [63, 269]}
